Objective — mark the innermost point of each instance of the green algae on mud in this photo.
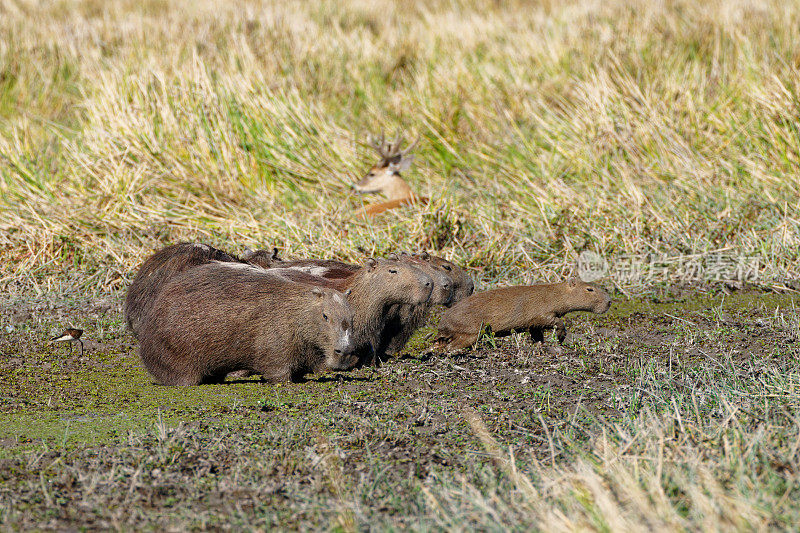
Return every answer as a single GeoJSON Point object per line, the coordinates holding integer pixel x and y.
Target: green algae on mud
{"type": "Point", "coordinates": [99, 398]}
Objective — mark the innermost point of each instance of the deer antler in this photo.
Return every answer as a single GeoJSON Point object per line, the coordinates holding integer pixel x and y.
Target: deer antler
{"type": "Point", "coordinates": [391, 150]}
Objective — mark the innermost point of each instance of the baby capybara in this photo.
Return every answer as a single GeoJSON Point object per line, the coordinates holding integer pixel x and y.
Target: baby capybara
{"type": "Point", "coordinates": [223, 317]}
{"type": "Point", "coordinates": [402, 320]}
{"type": "Point", "coordinates": [160, 268]}
{"type": "Point", "coordinates": [533, 308]}
{"type": "Point", "coordinates": [376, 287]}
{"type": "Point", "coordinates": [463, 285]}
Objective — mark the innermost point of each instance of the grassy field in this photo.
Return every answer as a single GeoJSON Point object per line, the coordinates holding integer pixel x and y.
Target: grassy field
{"type": "Point", "coordinates": [660, 133]}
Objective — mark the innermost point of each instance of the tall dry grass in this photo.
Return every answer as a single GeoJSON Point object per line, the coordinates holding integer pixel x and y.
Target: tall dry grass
{"type": "Point", "coordinates": [547, 128]}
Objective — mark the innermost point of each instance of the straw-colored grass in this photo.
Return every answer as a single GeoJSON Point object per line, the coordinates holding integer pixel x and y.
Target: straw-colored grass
{"type": "Point", "coordinates": [547, 128]}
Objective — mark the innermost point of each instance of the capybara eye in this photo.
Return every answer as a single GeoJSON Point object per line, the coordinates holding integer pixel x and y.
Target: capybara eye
{"type": "Point", "coordinates": [446, 267]}
{"type": "Point", "coordinates": [325, 317]}
{"type": "Point", "coordinates": [392, 271]}
{"type": "Point", "coordinates": [589, 289]}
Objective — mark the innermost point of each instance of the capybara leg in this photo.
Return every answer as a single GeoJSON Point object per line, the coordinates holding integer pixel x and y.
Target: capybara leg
{"type": "Point", "coordinates": [561, 330]}
{"type": "Point", "coordinates": [239, 374]}
{"type": "Point", "coordinates": [461, 341]}
{"type": "Point", "coordinates": [188, 380]}
{"type": "Point", "coordinates": [537, 334]}
{"type": "Point", "coordinates": [275, 377]}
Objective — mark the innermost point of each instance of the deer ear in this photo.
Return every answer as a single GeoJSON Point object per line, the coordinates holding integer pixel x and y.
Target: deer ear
{"type": "Point", "coordinates": [371, 263]}
{"type": "Point", "coordinates": [392, 257]}
{"type": "Point", "coordinates": [316, 291]}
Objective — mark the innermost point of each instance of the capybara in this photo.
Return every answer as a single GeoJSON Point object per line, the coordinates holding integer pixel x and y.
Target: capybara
{"type": "Point", "coordinates": [532, 307]}
{"type": "Point", "coordinates": [451, 283]}
{"type": "Point", "coordinates": [224, 317]}
{"type": "Point", "coordinates": [158, 269]}
{"type": "Point", "coordinates": [463, 285]}
{"type": "Point", "coordinates": [402, 320]}
{"type": "Point", "coordinates": [375, 288]}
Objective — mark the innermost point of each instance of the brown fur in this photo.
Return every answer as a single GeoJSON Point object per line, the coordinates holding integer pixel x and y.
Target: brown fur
{"type": "Point", "coordinates": [402, 320]}
{"type": "Point", "coordinates": [371, 210]}
{"type": "Point", "coordinates": [262, 258]}
{"type": "Point", "coordinates": [451, 283]}
{"type": "Point", "coordinates": [463, 285]}
{"type": "Point", "coordinates": [375, 288]}
{"type": "Point", "coordinates": [219, 318]}
{"type": "Point", "coordinates": [158, 269]}
{"type": "Point", "coordinates": [533, 308]}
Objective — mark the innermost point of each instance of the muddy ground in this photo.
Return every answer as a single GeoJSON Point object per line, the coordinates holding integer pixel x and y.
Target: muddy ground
{"type": "Point", "coordinates": [90, 441]}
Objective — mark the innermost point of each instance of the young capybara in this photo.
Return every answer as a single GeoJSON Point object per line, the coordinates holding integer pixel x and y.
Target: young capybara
{"type": "Point", "coordinates": [463, 285]}
{"type": "Point", "coordinates": [223, 317]}
{"type": "Point", "coordinates": [402, 320]}
{"type": "Point", "coordinates": [375, 288]}
{"type": "Point", "coordinates": [160, 268]}
{"type": "Point", "coordinates": [533, 308]}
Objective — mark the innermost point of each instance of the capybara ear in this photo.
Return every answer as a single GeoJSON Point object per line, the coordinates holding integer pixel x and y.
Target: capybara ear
{"type": "Point", "coordinates": [275, 254]}
{"type": "Point", "coordinates": [371, 263]}
{"type": "Point", "coordinates": [572, 282]}
{"type": "Point", "coordinates": [316, 291]}
{"type": "Point", "coordinates": [425, 256]}
{"type": "Point", "coordinates": [392, 257]}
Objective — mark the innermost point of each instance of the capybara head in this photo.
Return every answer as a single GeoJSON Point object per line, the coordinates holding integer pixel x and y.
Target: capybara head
{"type": "Point", "coordinates": [587, 297]}
{"type": "Point", "coordinates": [334, 312]}
{"type": "Point", "coordinates": [442, 293]}
{"type": "Point", "coordinates": [463, 285]}
{"type": "Point", "coordinates": [400, 282]}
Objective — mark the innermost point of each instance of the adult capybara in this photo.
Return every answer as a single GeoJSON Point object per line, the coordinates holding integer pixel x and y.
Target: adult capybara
{"type": "Point", "coordinates": [377, 286]}
{"type": "Point", "coordinates": [160, 268]}
{"type": "Point", "coordinates": [224, 317]}
{"type": "Point", "coordinates": [533, 308]}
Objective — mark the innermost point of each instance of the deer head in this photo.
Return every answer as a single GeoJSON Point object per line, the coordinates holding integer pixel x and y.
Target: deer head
{"type": "Point", "coordinates": [385, 177]}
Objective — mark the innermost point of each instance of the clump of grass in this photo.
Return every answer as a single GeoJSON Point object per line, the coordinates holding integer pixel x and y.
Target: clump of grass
{"type": "Point", "coordinates": [645, 128]}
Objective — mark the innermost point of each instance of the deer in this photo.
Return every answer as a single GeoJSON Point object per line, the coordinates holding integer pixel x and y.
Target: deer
{"type": "Point", "coordinates": [384, 178]}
